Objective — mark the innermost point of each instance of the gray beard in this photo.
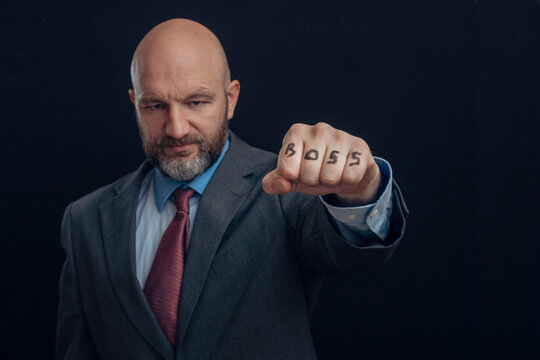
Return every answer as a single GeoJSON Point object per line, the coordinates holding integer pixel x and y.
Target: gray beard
{"type": "Point", "coordinates": [176, 166]}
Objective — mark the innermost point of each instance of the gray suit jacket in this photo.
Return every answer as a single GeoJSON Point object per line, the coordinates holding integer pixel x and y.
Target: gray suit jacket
{"type": "Point", "coordinates": [251, 276]}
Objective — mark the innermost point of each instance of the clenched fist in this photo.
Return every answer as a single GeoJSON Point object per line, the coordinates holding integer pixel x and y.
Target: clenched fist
{"type": "Point", "coordinates": [320, 160]}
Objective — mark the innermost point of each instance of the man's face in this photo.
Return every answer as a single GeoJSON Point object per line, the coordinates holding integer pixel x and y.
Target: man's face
{"type": "Point", "coordinates": [186, 157]}
{"type": "Point", "coordinates": [182, 114]}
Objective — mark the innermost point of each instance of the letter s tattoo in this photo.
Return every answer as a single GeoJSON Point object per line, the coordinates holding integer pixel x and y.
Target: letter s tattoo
{"type": "Point", "coordinates": [356, 156]}
{"type": "Point", "coordinates": [333, 157]}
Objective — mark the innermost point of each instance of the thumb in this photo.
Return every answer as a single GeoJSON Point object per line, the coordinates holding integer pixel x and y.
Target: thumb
{"type": "Point", "coordinates": [274, 183]}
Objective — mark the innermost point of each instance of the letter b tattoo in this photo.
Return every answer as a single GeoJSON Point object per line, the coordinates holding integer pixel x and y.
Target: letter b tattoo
{"type": "Point", "coordinates": [289, 151]}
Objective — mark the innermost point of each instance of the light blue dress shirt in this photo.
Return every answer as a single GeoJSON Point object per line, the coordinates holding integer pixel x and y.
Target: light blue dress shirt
{"type": "Point", "coordinates": [156, 209]}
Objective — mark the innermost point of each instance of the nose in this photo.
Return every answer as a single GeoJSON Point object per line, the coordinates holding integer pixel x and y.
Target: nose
{"type": "Point", "coordinates": [177, 123]}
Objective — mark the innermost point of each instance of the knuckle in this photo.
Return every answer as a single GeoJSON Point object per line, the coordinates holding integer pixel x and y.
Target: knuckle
{"type": "Point", "coordinates": [321, 129]}
{"type": "Point", "coordinates": [296, 129]}
{"type": "Point", "coordinates": [361, 144]}
{"type": "Point", "coordinates": [340, 136]}
{"type": "Point", "coordinates": [329, 179]}
{"type": "Point", "coordinates": [349, 180]}
{"type": "Point", "coordinates": [288, 172]}
{"type": "Point", "coordinates": [309, 179]}
{"type": "Point", "coordinates": [323, 125]}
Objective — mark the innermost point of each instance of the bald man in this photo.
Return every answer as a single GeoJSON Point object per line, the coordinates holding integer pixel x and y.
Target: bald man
{"type": "Point", "coordinates": [213, 249]}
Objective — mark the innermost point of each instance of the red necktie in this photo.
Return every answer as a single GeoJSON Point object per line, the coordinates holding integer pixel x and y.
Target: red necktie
{"type": "Point", "coordinates": [162, 288]}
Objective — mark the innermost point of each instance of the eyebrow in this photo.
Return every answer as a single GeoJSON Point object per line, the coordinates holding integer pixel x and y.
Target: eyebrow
{"type": "Point", "coordinates": [149, 99]}
{"type": "Point", "coordinates": [200, 92]}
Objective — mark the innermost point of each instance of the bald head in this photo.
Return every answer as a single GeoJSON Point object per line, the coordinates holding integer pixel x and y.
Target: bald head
{"type": "Point", "coordinates": [178, 46]}
{"type": "Point", "coordinates": [183, 97]}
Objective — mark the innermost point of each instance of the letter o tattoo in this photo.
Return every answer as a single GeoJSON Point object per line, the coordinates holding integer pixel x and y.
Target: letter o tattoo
{"type": "Point", "coordinates": [312, 155]}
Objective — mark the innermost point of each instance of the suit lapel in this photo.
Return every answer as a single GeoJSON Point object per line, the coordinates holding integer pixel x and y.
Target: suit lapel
{"type": "Point", "coordinates": [118, 221]}
{"type": "Point", "coordinates": [220, 201]}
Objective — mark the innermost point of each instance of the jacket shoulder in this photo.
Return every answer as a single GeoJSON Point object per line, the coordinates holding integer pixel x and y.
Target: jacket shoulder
{"type": "Point", "coordinates": [263, 159]}
{"type": "Point", "coordinates": [248, 158]}
{"type": "Point", "coordinates": [93, 201]}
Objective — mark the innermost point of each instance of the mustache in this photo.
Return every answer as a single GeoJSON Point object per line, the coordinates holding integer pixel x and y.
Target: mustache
{"type": "Point", "coordinates": [184, 140]}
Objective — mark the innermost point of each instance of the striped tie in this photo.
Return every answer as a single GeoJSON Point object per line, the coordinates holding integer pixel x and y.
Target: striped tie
{"type": "Point", "coordinates": [162, 288]}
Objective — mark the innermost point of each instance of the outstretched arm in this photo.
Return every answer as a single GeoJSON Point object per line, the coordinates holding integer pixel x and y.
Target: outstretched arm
{"type": "Point", "coordinates": [321, 160]}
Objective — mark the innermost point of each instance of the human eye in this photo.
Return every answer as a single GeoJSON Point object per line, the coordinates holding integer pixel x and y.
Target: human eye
{"type": "Point", "coordinates": [196, 103]}
{"type": "Point", "coordinates": [155, 106]}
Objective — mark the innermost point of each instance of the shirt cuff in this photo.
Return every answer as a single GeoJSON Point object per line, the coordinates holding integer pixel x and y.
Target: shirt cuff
{"type": "Point", "coordinates": [358, 223]}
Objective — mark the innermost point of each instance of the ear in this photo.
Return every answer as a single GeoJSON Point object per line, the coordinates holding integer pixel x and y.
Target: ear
{"type": "Point", "coordinates": [233, 91]}
{"type": "Point", "coordinates": [132, 95]}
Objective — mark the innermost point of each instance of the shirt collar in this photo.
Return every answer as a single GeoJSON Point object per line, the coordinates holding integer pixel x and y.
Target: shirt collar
{"type": "Point", "coordinates": [164, 186]}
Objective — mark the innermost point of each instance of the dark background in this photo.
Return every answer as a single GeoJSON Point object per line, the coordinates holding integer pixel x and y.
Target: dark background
{"type": "Point", "coordinates": [446, 91]}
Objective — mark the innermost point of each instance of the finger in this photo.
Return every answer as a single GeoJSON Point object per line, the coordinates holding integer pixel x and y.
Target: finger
{"type": "Point", "coordinates": [354, 168]}
{"type": "Point", "coordinates": [312, 159]}
{"type": "Point", "coordinates": [313, 190]}
{"type": "Point", "coordinates": [332, 165]}
{"type": "Point", "coordinates": [274, 183]}
{"type": "Point", "coordinates": [290, 157]}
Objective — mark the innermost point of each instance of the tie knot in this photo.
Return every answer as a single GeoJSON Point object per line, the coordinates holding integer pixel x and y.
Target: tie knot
{"type": "Point", "coordinates": [181, 198]}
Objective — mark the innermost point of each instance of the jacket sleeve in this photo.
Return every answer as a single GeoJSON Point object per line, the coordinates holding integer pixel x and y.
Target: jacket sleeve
{"type": "Point", "coordinates": [73, 340]}
{"type": "Point", "coordinates": [320, 245]}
